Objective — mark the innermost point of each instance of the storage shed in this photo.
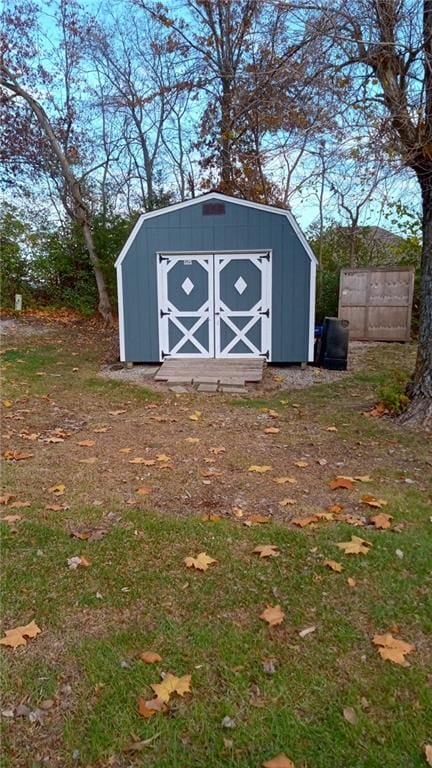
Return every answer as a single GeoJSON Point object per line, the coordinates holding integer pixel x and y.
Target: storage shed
{"type": "Point", "coordinates": [216, 276]}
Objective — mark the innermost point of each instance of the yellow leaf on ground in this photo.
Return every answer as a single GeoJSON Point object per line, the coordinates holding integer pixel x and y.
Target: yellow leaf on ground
{"type": "Point", "coordinates": [86, 443]}
{"type": "Point", "coordinates": [371, 501]}
{"type": "Point", "coordinates": [341, 482]}
{"type": "Point", "coordinates": [16, 455]}
{"type": "Point", "coordinates": [259, 469]}
{"type": "Point", "coordinates": [392, 649]}
{"type": "Point", "coordinates": [172, 684]}
{"type": "Point", "coordinates": [150, 657]}
{"type": "Point", "coordinates": [192, 440]}
{"type": "Point", "coordinates": [256, 520]}
{"type": "Point", "coordinates": [283, 480]}
{"type": "Point", "coordinates": [356, 546]}
{"type": "Point", "coordinates": [211, 517]}
{"type": "Point", "coordinates": [7, 403]}
{"type": "Point", "coordinates": [301, 464]}
{"type": "Point", "coordinates": [195, 416]}
{"type": "Point", "coordinates": [149, 708]}
{"type": "Point", "coordinates": [163, 457]}
{"type": "Point", "coordinates": [273, 615]}
{"type": "Point", "coordinates": [272, 431]}
{"type": "Point", "coordinates": [335, 509]}
{"type": "Point", "coordinates": [57, 490]}
{"type": "Point", "coordinates": [286, 502]}
{"type": "Point", "coordinates": [428, 753]}
{"type": "Point", "coordinates": [280, 761]}
{"type": "Point", "coordinates": [141, 460]}
{"type": "Point", "coordinates": [302, 522]}
{"type": "Point", "coordinates": [363, 479]}
{"type": "Point", "coordinates": [333, 565]}
{"type": "Point", "coordinates": [143, 490]}
{"type": "Point", "coordinates": [15, 637]}
{"type": "Point", "coordinates": [267, 550]}
{"type": "Point", "coordinates": [351, 582]}
{"type": "Point", "coordinates": [201, 562]}
{"type": "Point", "coordinates": [382, 520]}
{"type": "Point", "coordinates": [100, 430]}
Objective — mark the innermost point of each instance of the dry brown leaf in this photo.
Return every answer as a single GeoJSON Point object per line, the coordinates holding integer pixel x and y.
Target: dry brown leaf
{"type": "Point", "coordinates": [100, 430]}
{"type": "Point", "coordinates": [19, 504]}
{"type": "Point", "coordinates": [341, 482]}
{"type": "Point", "coordinates": [307, 631]}
{"type": "Point", "coordinates": [86, 443]}
{"type": "Point", "coordinates": [57, 490]}
{"type": "Point", "coordinates": [428, 753]}
{"type": "Point", "coordinates": [324, 516]}
{"type": "Point", "coordinates": [267, 550]}
{"type": "Point", "coordinates": [331, 429]}
{"type": "Point", "coordinates": [15, 637]}
{"type": "Point", "coordinates": [11, 521]}
{"type": "Point", "coordinates": [201, 562]}
{"type": "Point", "coordinates": [302, 522]}
{"type": "Point", "coordinates": [382, 520]}
{"type": "Point", "coordinates": [357, 522]}
{"type": "Point", "coordinates": [350, 715]}
{"type": "Point", "coordinates": [356, 546]}
{"type": "Point", "coordinates": [150, 708]}
{"type": "Point", "coordinates": [259, 469]}
{"type": "Point", "coordinates": [125, 450]}
{"type": "Point", "coordinates": [118, 412]}
{"type": "Point", "coordinates": [273, 615]}
{"type": "Point", "coordinates": [256, 520]}
{"type": "Point", "coordinates": [286, 502]}
{"type": "Point", "coordinates": [7, 403]}
{"type": "Point", "coordinates": [53, 439]}
{"type": "Point", "coordinates": [16, 455]}
{"type": "Point", "coordinates": [56, 507]}
{"type": "Point", "coordinates": [141, 460]}
{"type": "Point", "coordinates": [272, 431]}
{"type": "Point", "coordinates": [90, 460]}
{"type": "Point", "coordinates": [283, 480]}
{"type": "Point", "coordinates": [335, 509]}
{"type": "Point", "coordinates": [211, 517]}
{"type": "Point", "coordinates": [333, 565]}
{"type": "Point", "coordinates": [280, 761]}
{"type": "Point", "coordinates": [150, 657]}
{"type": "Point", "coordinates": [143, 490]}
{"type": "Point", "coordinates": [171, 684]}
{"type": "Point", "coordinates": [371, 501]}
{"type": "Point", "coordinates": [363, 479]}
{"type": "Point", "coordinates": [163, 457]}
{"type": "Point", "coordinates": [351, 581]}
{"type": "Point", "coordinates": [301, 464]}
{"type": "Point", "coordinates": [192, 440]}
{"type": "Point", "coordinates": [6, 498]}
{"type": "Point", "coordinates": [392, 649]}
{"type": "Point", "coordinates": [195, 416]}
{"type": "Point", "coordinates": [88, 534]}
{"type": "Point", "coordinates": [211, 473]}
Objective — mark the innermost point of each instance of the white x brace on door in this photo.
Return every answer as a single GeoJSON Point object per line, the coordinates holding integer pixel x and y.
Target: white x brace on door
{"type": "Point", "coordinates": [214, 305]}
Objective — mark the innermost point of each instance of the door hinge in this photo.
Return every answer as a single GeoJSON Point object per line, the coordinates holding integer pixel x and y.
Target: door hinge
{"type": "Point", "coordinates": [265, 312]}
{"type": "Point", "coordinates": [265, 354]}
{"type": "Point", "coordinates": [165, 354]}
{"type": "Point", "coordinates": [163, 258]}
{"type": "Point", "coordinates": [162, 313]}
{"type": "Point", "coordinates": [266, 256]}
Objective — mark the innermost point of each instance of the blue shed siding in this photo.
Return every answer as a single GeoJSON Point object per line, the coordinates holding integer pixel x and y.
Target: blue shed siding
{"type": "Point", "coordinates": [242, 228]}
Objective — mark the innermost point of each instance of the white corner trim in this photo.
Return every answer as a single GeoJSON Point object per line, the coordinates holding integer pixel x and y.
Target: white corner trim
{"type": "Point", "coordinates": [120, 305]}
{"type": "Point", "coordinates": [222, 198]}
{"type": "Point", "coordinates": [313, 268]}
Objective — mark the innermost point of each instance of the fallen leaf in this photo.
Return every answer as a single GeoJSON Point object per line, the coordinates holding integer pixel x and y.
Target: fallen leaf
{"type": "Point", "coordinates": [322, 462]}
{"type": "Point", "coordinates": [57, 490]}
{"type": "Point", "coordinates": [11, 521]}
{"type": "Point", "coordinates": [163, 457]}
{"type": "Point", "coordinates": [266, 550]}
{"type": "Point", "coordinates": [382, 520]}
{"type": "Point", "coordinates": [77, 560]}
{"type": "Point", "coordinates": [211, 473]}
{"type": "Point", "coordinates": [428, 753]}
{"type": "Point", "coordinates": [141, 460]}
{"type": "Point", "coordinates": [331, 429]}
{"type": "Point", "coordinates": [341, 482]}
{"type": "Point", "coordinates": [56, 507]}
{"type": "Point", "coordinates": [143, 490]}
{"type": "Point", "coordinates": [171, 684]}
{"type": "Point", "coordinates": [301, 464]}
{"type": "Point", "coordinates": [307, 631]}
{"type": "Point", "coordinates": [137, 746]}
{"type": "Point", "coordinates": [16, 455]}
{"type": "Point", "coordinates": [356, 546]}
{"type": "Point", "coordinates": [259, 469]}
{"type": "Point", "coordinates": [392, 649]}
{"type": "Point", "coordinates": [150, 657]}
{"type": "Point", "coordinates": [90, 460]}
{"type": "Point", "coordinates": [273, 615]}
{"type": "Point", "coordinates": [335, 509]}
{"type": "Point", "coordinates": [6, 498]}
{"type": "Point", "coordinates": [86, 443]}
{"type": "Point", "coordinates": [272, 431]}
{"type": "Point", "coordinates": [286, 502]}
{"type": "Point", "coordinates": [7, 403]}
{"type": "Point", "coordinates": [19, 504]}
{"type": "Point", "coordinates": [15, 637]}
{"type": "Point", "coordinates": [192, 440]}
{"type": "Point", "coordinates": [371, 501]}
{"type": "Point", "coordinates": [117, 413]}
{"type": "Point", "coordinates": [100, 430]}
{"type": "Point", "coordinates": [302, 522]}
{"type": "Point", "coordinates": [88, 534]}
{"type": "Point", "coordinates": [280, 761]}
{"type": "Point", "coordinates": [333, 565]}
{"type": "Point", "coordinates": [283, 480]}
{"type": "Point", "coordinates": [256, 520]}
{"type": "Point", "coordinates": [351, 582]}
{"type": "Point", "coordinates": [125, 450]}
{"type": "Point", "coordinates": [350, 715]}
{"type": "Point", "coordinates": [150, 708]}
{"type": "Point", "coordinates": [211, 517]}
{"type": "Point", "coordinates": [216, 451]}
{"type": "Point", "coordinates": [363, 479]}
{"type": "Point", "coordinates": [53, 439]}
{"type": "Point", "coordinates": [201, 562]}
{"type": "Point", "coordinates": [195, 416]}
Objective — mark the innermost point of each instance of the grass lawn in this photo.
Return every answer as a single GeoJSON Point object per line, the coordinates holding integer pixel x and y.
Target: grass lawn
{"type": "Point", "coordinates": [80, 679]}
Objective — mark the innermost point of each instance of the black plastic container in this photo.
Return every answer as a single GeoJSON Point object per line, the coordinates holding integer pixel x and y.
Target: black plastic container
{"type": "Point", "coordinates": [333, 350]}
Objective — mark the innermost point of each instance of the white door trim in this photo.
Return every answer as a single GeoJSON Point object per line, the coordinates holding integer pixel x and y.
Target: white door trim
{"type": "Point", "coordinates": [167, 312]}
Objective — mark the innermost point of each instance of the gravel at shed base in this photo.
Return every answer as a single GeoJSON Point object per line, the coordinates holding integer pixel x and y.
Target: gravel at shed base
{"type": "Point", "coordinates": [294, 377]}
{"type": "Point", "coordinates": [139, 374]}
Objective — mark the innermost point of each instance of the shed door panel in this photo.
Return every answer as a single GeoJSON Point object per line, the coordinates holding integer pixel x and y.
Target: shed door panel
{"type": "Point", "coordinates": [186, 324]}
{"type": "Point", "coordinates": [242, 305]}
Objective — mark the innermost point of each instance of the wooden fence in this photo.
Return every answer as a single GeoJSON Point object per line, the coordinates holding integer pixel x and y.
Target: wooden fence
{"type": "Point", "coordinates": [377, 303]}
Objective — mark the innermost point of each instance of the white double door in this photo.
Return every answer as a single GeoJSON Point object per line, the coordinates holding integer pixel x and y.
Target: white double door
{"type": "Point", "coordinates": [214, 304]}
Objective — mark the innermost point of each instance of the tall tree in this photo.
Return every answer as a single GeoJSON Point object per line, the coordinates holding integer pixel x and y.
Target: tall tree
{"type": "Point", "coordinates": [384, 48]}
{"type": "Point", "coordinates": [47, 137]}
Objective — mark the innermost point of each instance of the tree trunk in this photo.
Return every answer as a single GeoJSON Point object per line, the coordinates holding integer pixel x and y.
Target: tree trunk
{"type": "Point", "coordinates": [225, 138]}
{"type": "Point", "coordinates": [419, 412]}
{"type": "Point", "coordinates": [104, 305]}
